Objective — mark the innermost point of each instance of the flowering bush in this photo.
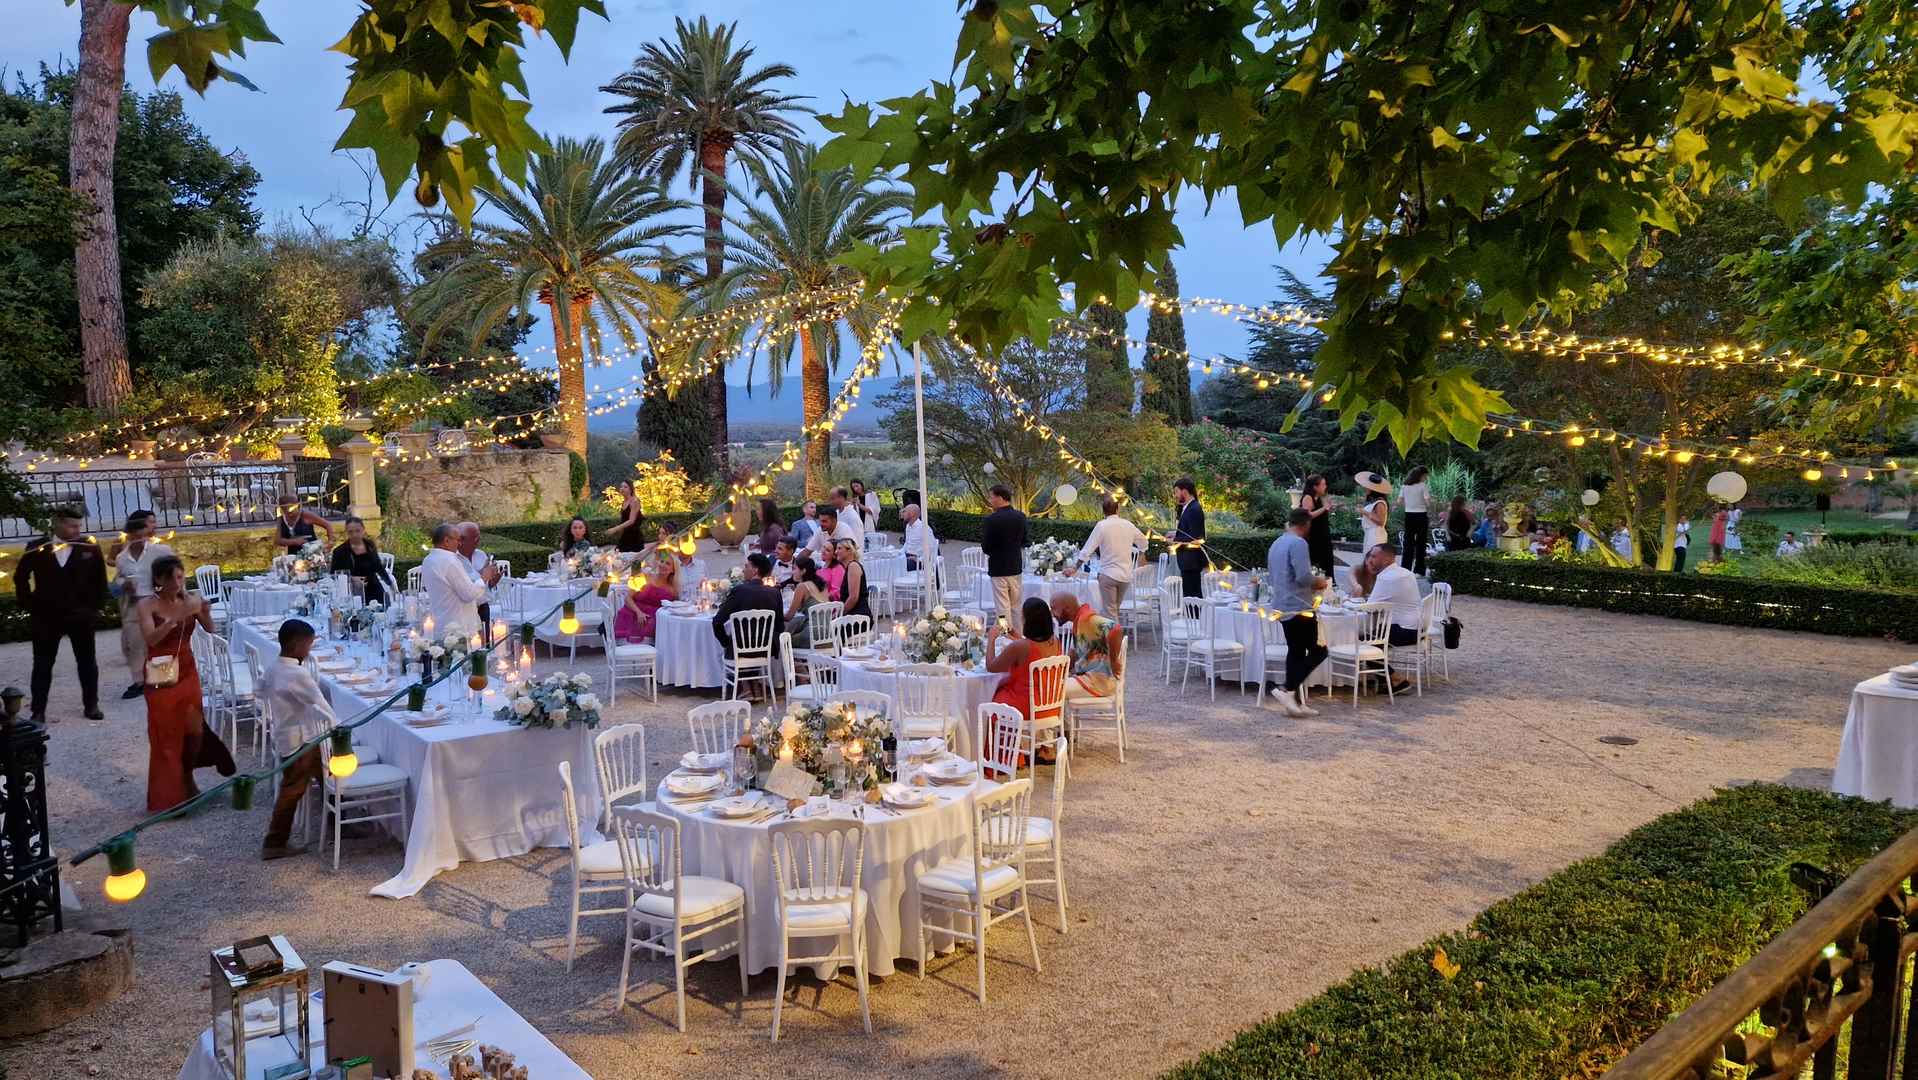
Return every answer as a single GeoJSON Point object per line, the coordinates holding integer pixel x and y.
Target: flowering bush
{"type": "Point", "coordinates": [1048, 557]}
{"type": "Point", "coordinates": [662, 487]}
{"type": "Point", "coordinates": [821, 736]}
{"type": "Point", "coordinates": [557, 701]}
{"type": "Point", "coordinates": [942, 637]}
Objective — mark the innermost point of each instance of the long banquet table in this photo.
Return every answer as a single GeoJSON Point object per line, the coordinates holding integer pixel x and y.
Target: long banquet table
{"type": "Point", "coordinates": [480, 788]}
{"type": "Point", "coordinates": [1878, 752]}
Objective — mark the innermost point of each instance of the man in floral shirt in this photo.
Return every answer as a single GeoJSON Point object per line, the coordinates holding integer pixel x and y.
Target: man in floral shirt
{"type": "Point", "coordinates": [1095, 649]}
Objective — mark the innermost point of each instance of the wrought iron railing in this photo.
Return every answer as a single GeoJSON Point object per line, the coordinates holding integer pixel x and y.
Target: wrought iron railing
{"type": "Point", "coordinates": [184, 495]}
{"type": "Point", "coordinates": [1840, 968]}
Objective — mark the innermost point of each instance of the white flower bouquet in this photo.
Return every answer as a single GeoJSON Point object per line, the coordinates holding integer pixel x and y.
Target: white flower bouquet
{"type": "Point", "coordinates": [941, 637]}
{"type": "Point", "coordinates": [1049, 557]}
{"type": "Point", "coordinates": [557, 701]}
{"type": "Point", "coordinates": [445, 650]}
{"type": "Point", "coordinates": [308, 564]}
{"type": "Point", "coordinates": [819, 737]}
{"type": "Point", "coordinates": [724, 586]}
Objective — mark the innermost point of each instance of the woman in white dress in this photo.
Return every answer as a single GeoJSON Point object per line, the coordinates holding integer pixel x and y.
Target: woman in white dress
{"type": "Point", "coordinates": [1377, 508]}
{"type": "Point", "coordinates": [1732, 542]}
{"type": "Point", "coordinates": [867, 503]}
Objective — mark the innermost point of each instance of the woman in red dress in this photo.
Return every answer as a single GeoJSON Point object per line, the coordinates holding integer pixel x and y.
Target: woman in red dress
{"type": "Point", "coordinates": [1036, 642]}
{"type": "Point", "coordinates": [178, 740]}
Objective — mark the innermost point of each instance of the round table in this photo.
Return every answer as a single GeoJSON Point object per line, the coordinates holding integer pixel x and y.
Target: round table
{"type": "Point", "coordinates": [1878, 752]}
{"type": "Point", "coordinates": [1239, 621]}
{"type": "Point", "coordinates": [1083, 586]}
{"type": "Point", "coordinates": [689, 654]}
{"type": "Point", "coordinates": [975, 689]}
{"type": "Point", "coordinates": [900, 846]}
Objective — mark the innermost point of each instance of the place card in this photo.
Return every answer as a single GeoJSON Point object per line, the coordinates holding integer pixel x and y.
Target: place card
{"type": "Point", "coordinates": [789, 781]}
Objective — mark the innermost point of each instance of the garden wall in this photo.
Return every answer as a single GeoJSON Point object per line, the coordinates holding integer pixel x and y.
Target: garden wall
{"type": "Point", "coordinates": [1564, 978]}
{"type": "Point", "coordinates": [492, 486]}
{"type": "Point", "coordinates": [1697, 597]}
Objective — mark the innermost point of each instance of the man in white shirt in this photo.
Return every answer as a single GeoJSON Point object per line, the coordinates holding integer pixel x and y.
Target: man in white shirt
{"type": "Point", "coordinates": [783, 554]}
{"type": "Point", "coordinates": [133, 578]}
{"type": "Point", "coordinates": [300, 713]}
{"type": "Point", "coordinates": [918, 541]}
{"type": "Point", "coordinates": [453, 591]}
{"type": "Point", "coordinates": [833, 527]}
{"type": "Point", "coordinates": [1790, 545]}
{"type": "Point", "coordinates": [477, 561]}
{"type": "Point", "coordinates": [1399, 587]}
{"type": "Point", "coordinates": [1111, 546]}
{"type": "Point", "coordinates": [855, 530]}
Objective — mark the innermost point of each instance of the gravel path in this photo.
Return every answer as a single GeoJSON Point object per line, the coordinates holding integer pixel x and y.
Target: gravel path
{"type": "Point", "coordinates": [1237, 863]}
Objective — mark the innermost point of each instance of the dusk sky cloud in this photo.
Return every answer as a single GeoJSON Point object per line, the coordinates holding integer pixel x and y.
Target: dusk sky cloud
{"type": "Point", "coordinates": [843, 51]}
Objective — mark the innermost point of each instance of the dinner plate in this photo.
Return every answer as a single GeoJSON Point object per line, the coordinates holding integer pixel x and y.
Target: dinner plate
{"type": "Point", "coordinates": [925, 748]}
{"type": "Point", "coordinates": [951, 769]}
{"type": "Point", "coordinates": [738, 806]}
{"type": "Point", "coordinates": [694, 762]}
{"type": "Point", "coordinates": [860, 654]}
{"type": "Point", "coordinates": [906, 797]}
{"type": "Point", "coordinates": [686, 784]}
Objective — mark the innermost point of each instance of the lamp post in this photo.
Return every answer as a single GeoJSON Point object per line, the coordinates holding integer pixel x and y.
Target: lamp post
{"type": "Point", "coordinates": [29, 874]}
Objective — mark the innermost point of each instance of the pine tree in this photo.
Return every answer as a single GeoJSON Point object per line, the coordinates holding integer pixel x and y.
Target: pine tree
{"type": "Point", "coordinates": [1168, 383]}
{"type": "Point", "coordinates": [1108, 364]}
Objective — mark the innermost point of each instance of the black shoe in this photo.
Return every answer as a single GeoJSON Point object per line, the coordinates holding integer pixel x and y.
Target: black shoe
{"type": "Point", "coordinates": [133, 691]}
{"type": "Point", "coordinates": [94, 713]}
{"type": "Point", "coordinates": [38, 718]}
{"type": "Point", "coordinates": [270, 852]}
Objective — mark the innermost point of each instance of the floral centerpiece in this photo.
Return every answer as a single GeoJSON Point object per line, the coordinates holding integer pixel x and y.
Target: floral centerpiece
{"type": "Point", "coordinates": [557, 701]}
{"type": "Point", "coordinates": [308, 563]}
{"type": "Point", "coordinates": [817, 738]}
{"type": "Point", "coordinates": [444, 651]}
{"type": "Point", "coordinates": [1049, 557]}
{"type": "Point", "coordinates": [724, 586]}
{"type": "Point", "coordinates": [941, 637]}
{"type": "Point", "coordinates": [364, 618]}
{"type": "Point", "coordinates": [580, 560]}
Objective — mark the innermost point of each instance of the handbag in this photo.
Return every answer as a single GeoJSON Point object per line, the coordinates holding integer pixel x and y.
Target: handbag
{"type": "Point", "coordinates": [164, 671]}
{"type": "Point", "coordinates": [1453, 629]}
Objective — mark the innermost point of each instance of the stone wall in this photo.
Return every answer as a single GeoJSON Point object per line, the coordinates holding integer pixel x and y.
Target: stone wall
{"type": "Point", "coordinates": [493, 485]}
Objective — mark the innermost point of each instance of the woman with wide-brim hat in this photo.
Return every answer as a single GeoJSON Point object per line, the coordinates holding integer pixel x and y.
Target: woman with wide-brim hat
{"type": "Point", "coordinates": [1372, 516]}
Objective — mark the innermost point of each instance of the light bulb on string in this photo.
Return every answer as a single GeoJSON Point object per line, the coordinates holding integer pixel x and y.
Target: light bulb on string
{"type": "Point", "coordinates": [344, 762]}
{"type": "Point", "coordinates": [125, 880]}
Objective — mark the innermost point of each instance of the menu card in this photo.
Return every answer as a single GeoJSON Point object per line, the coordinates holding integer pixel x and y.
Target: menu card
{"type": "Point", "coordinates": [789, 781]}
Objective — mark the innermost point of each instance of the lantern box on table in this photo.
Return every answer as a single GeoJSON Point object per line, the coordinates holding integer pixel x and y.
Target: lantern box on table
{"type": "Point", "coordinates": [259, 970]}
{"type": "Point", "coordinates": [369, 1014]}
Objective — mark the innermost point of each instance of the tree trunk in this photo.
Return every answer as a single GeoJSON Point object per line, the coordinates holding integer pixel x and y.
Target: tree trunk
{"type": "Point", "coordinates": [1668, 529]}
{"type": "Point", "coordinates": [712, 155]}
{"type": "Point", "coordinates": [94, 133]}
{"type": "Point", "coordinates": [815, 392]}
{"type": "Point", "coordinates": [572, 378]}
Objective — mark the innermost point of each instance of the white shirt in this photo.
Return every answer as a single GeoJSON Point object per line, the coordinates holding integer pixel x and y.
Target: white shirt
{"type": "Point", "coordinates": [1683, 535]}
{"type": "Point", "coordinates": [479, 560]}
{"type": "Point", "coordinates": [844, 530]}
{"type": "Point", "coordinates": [137, 572]}
{"type": "Point", "coordinates": [300, 710]}
{"type": "Point", "coordinates": [918, 541]}
{"type": "Point", "coordinates": [62, 550]}
{"type": "Point", "coordinates": [1790, 547]}
{"type": "Point", "coordinates": [1374, 534]}
{"type": "Point", "coordinates": [1413, 498]}
{"type": "Point", "coordinates": [1622, 543]}
{"type": "Point", "coordinates": [872, 505]}
{"type": "Point", "coordinates": [452, 592]}
{"type": "Point", "coordinates": [851, 527]}
{"type": "Point", "coordinates": [1398, 587]}
{"type": "Point", "coordinates": [1112, 542]}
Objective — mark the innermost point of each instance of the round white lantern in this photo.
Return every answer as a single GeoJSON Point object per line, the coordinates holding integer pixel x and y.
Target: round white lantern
{"type": "Point", "coordinates": [1065, 494]}
{"type": "Point", "coordinates": [1726, 487]}
{"type": "Point", "coordinates": [945, 459]}
{"type": "Point", "coordinates": [988, 468]}
{"type": "Point", "coordinates": [1589, 497]}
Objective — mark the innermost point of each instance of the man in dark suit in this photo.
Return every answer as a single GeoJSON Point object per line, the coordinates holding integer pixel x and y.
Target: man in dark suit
{"type": "Point", "coordinates": [1003, 539]}
{"type": "Point", "coordinates": [752, 594]}
{"type": "Point", "coordinates": [1189, 535]}
{"type": "Point", "coordinates": [62, 581]}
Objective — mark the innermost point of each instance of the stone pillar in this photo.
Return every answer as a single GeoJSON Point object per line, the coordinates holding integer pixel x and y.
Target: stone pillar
{"type": "Point", "coordinates": [291, 445]}
{"type": "Point", "coordinates": [362, 499]}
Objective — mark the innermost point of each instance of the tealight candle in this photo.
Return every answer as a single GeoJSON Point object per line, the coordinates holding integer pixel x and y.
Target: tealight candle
{"type": "Point", "coordinates": [785, 751]}
{"type": "Point", "coordinates": [426, 626]}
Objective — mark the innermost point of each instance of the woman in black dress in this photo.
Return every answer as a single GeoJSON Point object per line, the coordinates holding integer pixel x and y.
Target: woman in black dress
{"type": "Point", "coordinates": [1318, 535]}
{"type": "Point", "coordinates": [359, 556]}
{"type": "Point", "coordinates": [630, 533]}
{"type": "Point", "coordinates": [853, 590]}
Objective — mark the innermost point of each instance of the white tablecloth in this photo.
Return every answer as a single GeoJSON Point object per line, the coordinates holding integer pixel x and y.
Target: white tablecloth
{"type": "Point", "coordinates": [689, 654]}
{"type": "Point", "coordinates": [481, 789]}
{"type": "Point", "coordinates": [1084, 587]}
{"type": "Point", "coordinates": [539, 596]}
{"type": "Point", "coordinates": [259, 598]}
{"type": "Point", "coordinates": [975, 689]}
{"type": "Point", "coordinates": [1234, 623]}
{"type": "Point", "coordinates": [898, 849]}
{"type": "Point", "coordinates": [1878, 754]}
{"type": "Point", "coordinates": [453, 997]}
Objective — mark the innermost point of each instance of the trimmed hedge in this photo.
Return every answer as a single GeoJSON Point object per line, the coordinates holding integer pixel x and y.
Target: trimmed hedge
{"type": "Point", "coordinates": [1731, 601]}
{"type": "Point", "coordinates": [1870, 536]}
{"type": "Point", "coordinates": [1565, 977]}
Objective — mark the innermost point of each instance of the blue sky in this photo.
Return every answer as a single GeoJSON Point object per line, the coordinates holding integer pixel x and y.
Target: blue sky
{"type": "Point", "coordinates": [861, 51]}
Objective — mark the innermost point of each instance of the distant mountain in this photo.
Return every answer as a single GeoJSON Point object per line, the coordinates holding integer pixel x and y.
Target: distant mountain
{"type": "Point", "coordinates": [762, 407]}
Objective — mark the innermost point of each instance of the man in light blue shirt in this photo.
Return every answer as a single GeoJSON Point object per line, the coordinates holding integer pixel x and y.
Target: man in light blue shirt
{"type": "Point", "coordinates": [1289, 568]}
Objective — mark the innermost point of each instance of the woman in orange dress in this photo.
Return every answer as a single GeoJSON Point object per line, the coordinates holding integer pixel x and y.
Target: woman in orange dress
{"type": "Point", "coordinates": [178, 740]}
{"type": "Point", "coordinates": [1035, 641]}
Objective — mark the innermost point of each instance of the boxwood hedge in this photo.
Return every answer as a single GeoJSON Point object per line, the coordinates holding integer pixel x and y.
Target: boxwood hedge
{"type": "Point", "coordinates": [1870, 536]}
{"type": "Point", "coordinates": [1700, 598]}
{"type": "Point", "coordinates": [1565, 977]}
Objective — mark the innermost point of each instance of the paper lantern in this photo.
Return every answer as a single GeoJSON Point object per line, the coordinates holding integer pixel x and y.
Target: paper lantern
{"type": "Point", "coordinates": [1726, 487]}
{"type": "Point", "coordinates": [988, 468]}
{"type": "Point", "coordinates": [1589, 497]}
{"type": "Point", "coordinates": [1065, 494]}
{"type": "Point", "coordinates": [945, 459]}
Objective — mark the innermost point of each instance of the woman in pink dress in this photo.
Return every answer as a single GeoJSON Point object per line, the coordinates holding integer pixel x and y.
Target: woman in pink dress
{"type": "Point", "coordinates": [832, 573]}
{"type": "Point", "coordinates": [640, 614]}
{"type": "Point", "coordinates": [1719, 521]}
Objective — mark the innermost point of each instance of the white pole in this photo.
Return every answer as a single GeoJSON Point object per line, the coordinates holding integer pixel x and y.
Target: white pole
{"type": "Point", "coordinates": [926, 573]}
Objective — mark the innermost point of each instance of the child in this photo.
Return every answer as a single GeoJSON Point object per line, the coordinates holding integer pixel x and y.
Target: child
{"type": "Point", "coordinates": [300, 712]}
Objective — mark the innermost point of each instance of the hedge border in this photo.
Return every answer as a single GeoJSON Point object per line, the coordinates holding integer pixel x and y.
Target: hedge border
{"type": "Point", "coordinates": [1729, 601]}
{"type": "Point", "coordinates": [1565, 977]}
{"type": "Point", "coordinates": [1870, 536]}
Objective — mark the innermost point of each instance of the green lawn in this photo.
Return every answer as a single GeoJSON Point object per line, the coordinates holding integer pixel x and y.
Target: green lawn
{"type": "Point", "coordinates": [1799, 521]}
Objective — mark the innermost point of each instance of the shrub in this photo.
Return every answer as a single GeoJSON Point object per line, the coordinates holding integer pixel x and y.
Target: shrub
{"type": "Point", "coordinates": [1714, 598]}
{"type": "Point", "coordinates": [575, 472]}
{"type": "Point", "coordinates": [1759, 536]}
{"type": "Point", "coordinates": [1869, 536]}
{"type": "Point", "coordinates": [1892, 567]}
{"type": "Point", "coordinates": [1565, 977]}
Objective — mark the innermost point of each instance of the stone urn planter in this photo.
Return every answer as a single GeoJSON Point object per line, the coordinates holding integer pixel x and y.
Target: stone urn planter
{"type": "Point", "coordinates": [552, 440]}
{"type": "Point", "coordinates": [413, 443]}
{"type": "Point", "coordinates": [141, 449]}
{"type": "Point", "coordinates": [730, 528]}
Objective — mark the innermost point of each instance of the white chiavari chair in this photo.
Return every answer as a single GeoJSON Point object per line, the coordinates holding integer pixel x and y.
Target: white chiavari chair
{"type": "Point", "coordinates": [716, 726]}
{"type": "Point", "coordinates": [1435, 630]}
{"type": "Point", "coordinates": [752, 655]}
{"type": "Point", "coordinates": [965, 592]}
{"type": "Point", "coordinates": [1002, 741]}
{"type": "Point", "coordinates": [1045, 836]}
{"type": "Point", "coordinates": [1211, 655]}
{"type": "Point", "coordinates": [358, 795]}
{"type": "Point", "coordinates": [816, 879]}
{"type": "Point", "coordinates": [866, 700]}
{"type": "Point", "coordinates": [1109, 711]}
{"type": "Point", "coordinates": [824, 678]}
{"type": "Point", "coordinates": [819, 649]}
{"type": "Point", "coordinates": [670, 908]}
{"type": "Point", "coordinates": [596, 867]}
{"type": "Point", "coordinates": [1175, 630]}
{"type": "Point", "coordinates": [1367, 653]}
{"type": "Point", "coordinates": [619, 753]}
{"type": "Point", "coordinates": [851, 632]}
{"type": "Point", "coordinates": [630, 660]}
{"type": "Point", "coordinates": [978, 889]}
{"type": "Point", "coordinates": [925, 702]}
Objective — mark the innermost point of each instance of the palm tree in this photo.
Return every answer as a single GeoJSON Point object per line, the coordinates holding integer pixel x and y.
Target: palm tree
{"type": "Point", "coordinates": [690, 106]}
{"type": "Point", "coordinates": [787, 245]}
{"type": "Point", "coordinates": [581, 238]}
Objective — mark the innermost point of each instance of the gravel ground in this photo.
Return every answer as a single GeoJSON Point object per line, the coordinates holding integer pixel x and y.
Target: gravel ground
{"type": "Point", "coordinates": [1237, 863]}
